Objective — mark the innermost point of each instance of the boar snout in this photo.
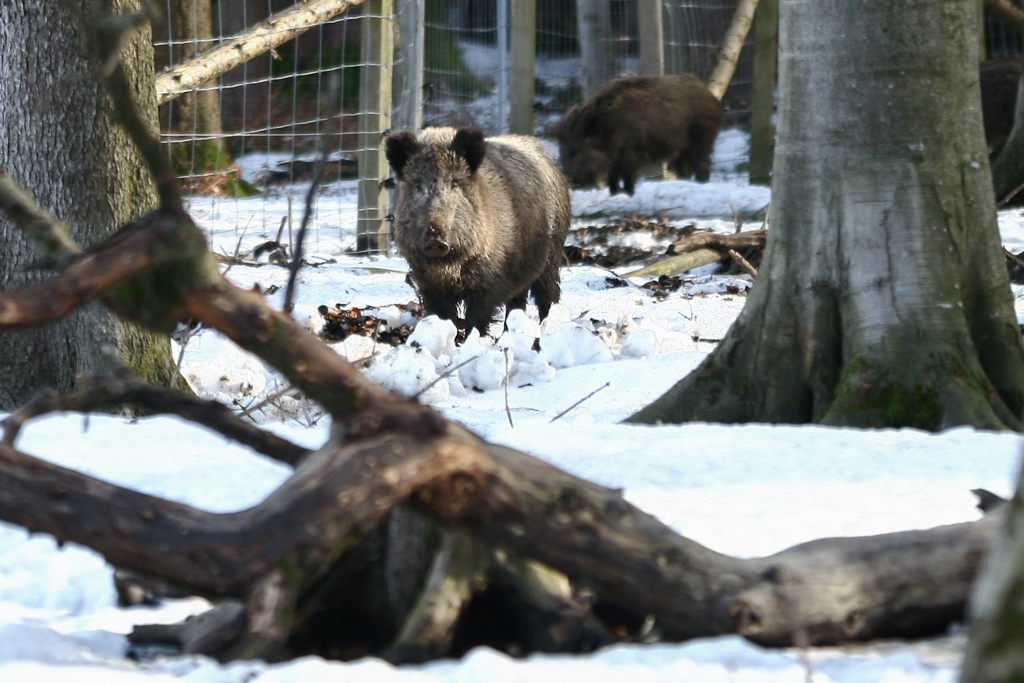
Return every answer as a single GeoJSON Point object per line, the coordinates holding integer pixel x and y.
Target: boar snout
{"type": "Point", "coordinates": [435, 246]}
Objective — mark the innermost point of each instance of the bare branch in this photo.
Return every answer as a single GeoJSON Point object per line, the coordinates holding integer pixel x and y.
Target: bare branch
{"type": "Point", "coordinates": [333, 96]}
{"type": "Point", "coordinates": [1009, 12]}
{"type": "Point", "coordinates": [51, 236]}
{"type": "Point", "coordinates": [106, 393]}
{"type": "Point", "coordinates": [732, 43]}
{"type": "Point", "coordinates": [126, 255]}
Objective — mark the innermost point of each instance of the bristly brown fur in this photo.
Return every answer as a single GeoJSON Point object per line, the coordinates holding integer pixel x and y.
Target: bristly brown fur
{"type": "Point", "coordinates": [639, 120]}
{"type": "Point", "coordinates": [481, 221]}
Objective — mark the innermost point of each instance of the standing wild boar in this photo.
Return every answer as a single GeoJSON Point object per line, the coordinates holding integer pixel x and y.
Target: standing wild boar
{"type": "Point", "coordinates": [638, 120]}
{"type": "Point", "coordinates": [480, 221]}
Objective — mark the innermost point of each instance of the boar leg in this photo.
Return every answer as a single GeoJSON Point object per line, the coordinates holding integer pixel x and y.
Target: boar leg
{"type": "Point", "coordinates": [623, 172]}
{"type": "Point", "coordinates": [480, 310]}
{"type": "Point", "coordinates": [518, 301]}
{"type": "Point", "coordinates": [546, 290]}
{"type": "Point", "coordinates": [702, 143]}
{"type": "Point", "coordinates": [441, 306]}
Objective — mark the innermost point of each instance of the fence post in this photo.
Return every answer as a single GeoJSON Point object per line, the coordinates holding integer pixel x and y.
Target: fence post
{"type": "Point", "coordinates": [524, 55]}
{"type": "Point", "coordinates": [375, 105]}
{"type": "Point", "coordinates": [652, 38]}
{"type": "Point", "coordinates": [762, 103]}
{"type": "Point", "coordinates": [408, 64]}
{"type": "Point", "coordinates": [504, 67]}
{"type": "Point", "coordinates": [594, 19]}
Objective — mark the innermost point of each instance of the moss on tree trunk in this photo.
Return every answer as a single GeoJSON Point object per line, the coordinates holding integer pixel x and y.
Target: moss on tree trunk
{"type": "Point", "coordinates": [74, 160]}
{"type": "Point", "coordinates": [197, 147]}
{"type": "Point", "coordinates": [882, 300]}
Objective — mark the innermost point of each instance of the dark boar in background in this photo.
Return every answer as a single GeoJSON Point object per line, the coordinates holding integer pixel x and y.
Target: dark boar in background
{"type": "Point", "coordinates": [635, 121]}
{"type": "Point", "coordinates": [480, 221]}
{"type": "Point", "coordinates": [1000, 79]}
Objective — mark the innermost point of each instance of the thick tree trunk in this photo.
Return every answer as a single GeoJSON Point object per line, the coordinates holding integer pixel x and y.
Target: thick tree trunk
{"type": "Point", "coordinates": [57, 139]}
{"type": "Point", "coordinates": [1008, 169]}
{"type": "Point", "coordinates": [882, 299]}
{"type": "Point", "coordinates": [995, 653]}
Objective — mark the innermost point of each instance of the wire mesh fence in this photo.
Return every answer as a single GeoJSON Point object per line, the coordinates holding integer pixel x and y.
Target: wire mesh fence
{"type": "Point", "coordinates": [259, 127]}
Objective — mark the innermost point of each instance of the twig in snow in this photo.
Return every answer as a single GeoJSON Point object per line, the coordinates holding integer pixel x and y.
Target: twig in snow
{"type": "Point", "coordinates": [445, 374]}
{"type": "Point", "coordinates": [247, 412]}
{"type": "Point", "coordinates": [507, 373]}
{"type": "Point", "coordinates": [744, 263]}
{"type": "Point", "coordinates": [1010, 196]}
{"type": "Point", "coordinates": [556, 417]}
{"type": "Point", "coordinates": [333, 96]}
{"type": "Point", "coordinates": [238, 247]}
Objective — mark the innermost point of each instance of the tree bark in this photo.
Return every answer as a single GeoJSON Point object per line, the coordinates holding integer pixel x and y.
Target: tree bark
{"type": "Point", "coordinates": [57, 139]}
{"type": "Point", "coordinates": [882, 299]}
{"type": "Point", "coordinates": [994, 654]}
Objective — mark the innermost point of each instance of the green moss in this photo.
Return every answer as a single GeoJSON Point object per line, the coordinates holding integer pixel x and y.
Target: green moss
{"type": "Point", "coordinates": [864, 398]}
{"type": "Point", "coordinates": [207, 168]}
{"type": "Point", "coordinates": [148, 357]}
{"type": "Point", "coordinates": [151, 298]}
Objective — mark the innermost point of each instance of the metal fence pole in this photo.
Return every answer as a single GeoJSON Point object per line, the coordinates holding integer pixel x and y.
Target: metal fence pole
{"type": "Point", "coordinates": [375, 105]}
{"type": "Point", "coordinates": [524, 55]}
{"type": "Point", "coordinates": [762, 105]}
{"type": "Point", "coordinates": [652, 38]}
{"type": "Point", "coordinates": [408, 86]}
{"type": "Point", "coordinates": [594, 19]}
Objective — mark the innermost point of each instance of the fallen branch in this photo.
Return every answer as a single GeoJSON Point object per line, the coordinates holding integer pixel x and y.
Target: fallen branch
{"type": "Point", "coordinates": [732, 44]}
{"type": "Point", "coordinates": [906, 584]}
{"type": "Point", "coordinates": [679, 263]}
{"type": "Point", "coordinates": [261, 38]}
{"type": "Point", "coordinates": [700, 249]}
{"type": "Point", "coordinates": [108, 393]}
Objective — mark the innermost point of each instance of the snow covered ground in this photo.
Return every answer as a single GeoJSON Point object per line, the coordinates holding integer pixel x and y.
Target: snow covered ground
{"type": "Point", "coordinates": [744, 490]}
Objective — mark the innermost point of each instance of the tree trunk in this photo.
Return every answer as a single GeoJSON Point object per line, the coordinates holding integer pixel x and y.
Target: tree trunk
{"type": "Point", "coordinates": [1008, 169]}
{"type": "Point", "coordinates": [57, 139]}
{"type": "Point", "coordinates": [994, 654]}
{"type": "Point", "coordinates": [192, 121]}
{"type": "Point", "coordinates": [247, 99]}
{"type": "Point", "coordinates": [882, 300]}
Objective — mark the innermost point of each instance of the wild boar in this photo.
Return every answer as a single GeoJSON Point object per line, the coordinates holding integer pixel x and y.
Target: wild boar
{"type": "Point", "coordinates": [635, 121]}
{"type": "Point", "coordinates": [481, 221]}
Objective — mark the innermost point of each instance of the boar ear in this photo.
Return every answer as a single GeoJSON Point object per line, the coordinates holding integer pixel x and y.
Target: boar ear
{"type": "Point", "coordinates": [469, 144]}
{"type": "Point", "coordinates": [398, 147]}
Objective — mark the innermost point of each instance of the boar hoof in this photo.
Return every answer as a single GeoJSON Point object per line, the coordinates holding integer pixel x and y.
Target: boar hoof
{"type": "Point", "coordinates": [436, 248]}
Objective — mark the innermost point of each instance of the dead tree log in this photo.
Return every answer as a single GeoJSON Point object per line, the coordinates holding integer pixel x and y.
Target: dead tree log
{"type": "Point", "coordinates": [701, 248]}
{"type": "Point", "coordinates": [906, 584]}
{"type": "Point", "coordinates": [351, 555]}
